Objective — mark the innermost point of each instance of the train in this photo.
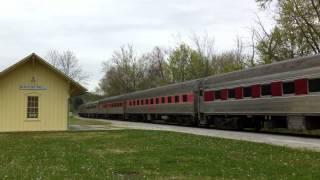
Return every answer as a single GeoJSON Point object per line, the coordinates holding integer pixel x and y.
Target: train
{"type": "Point", "coordinates": [284, 94]}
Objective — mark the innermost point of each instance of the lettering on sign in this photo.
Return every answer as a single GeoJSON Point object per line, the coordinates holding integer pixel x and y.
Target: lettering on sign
{"type": "Point", "coordinates": [33, 87]}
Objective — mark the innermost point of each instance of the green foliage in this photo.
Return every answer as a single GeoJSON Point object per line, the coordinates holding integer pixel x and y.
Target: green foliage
{"type": "Point", "coordinates": [124, 75]}
{"type": "Point", "coordinates": [75, 103]}
{"type": "Point", "coordinates": [296, 33]}
{"type": "Point", "coordinates": [135, 154]}
{"type": "Point", "coordinates": [129, 72]}
{"type": "Point", "coordinates": [184, 63]}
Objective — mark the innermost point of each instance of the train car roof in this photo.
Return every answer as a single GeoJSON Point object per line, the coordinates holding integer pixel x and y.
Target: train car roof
{"type": "Point", "coordinates": [93, 102]}
{"type": "Point", "coordinates": [114, 98]}
{"type": "Point", "coordinates": [263, 70]}
{"type": "Point", "coordinates": [170, 89]}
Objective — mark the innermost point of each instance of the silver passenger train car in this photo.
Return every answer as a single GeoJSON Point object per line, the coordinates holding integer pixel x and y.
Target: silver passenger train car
{"type": "Point", "coordinates": [176, 103]}
{"type": "Point", "coordinates": [279, 95]}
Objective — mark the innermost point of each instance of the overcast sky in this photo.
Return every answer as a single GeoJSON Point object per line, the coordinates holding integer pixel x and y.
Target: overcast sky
{"type": "Point", "coordinates": [93, 29]}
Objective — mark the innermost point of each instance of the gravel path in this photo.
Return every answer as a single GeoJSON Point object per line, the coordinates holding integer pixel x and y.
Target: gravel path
{"type": "Point", "coordinates": [281, 140]}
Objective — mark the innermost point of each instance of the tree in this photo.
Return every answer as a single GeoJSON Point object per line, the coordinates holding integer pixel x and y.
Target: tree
{"type": "Point", "coordinates": [179, 63]}
{"type": "Point", "coordinates": [68, 63]}
{"type": "Point", "coordinates": [205, 48]}
{"type": "Point", "coordinates": [124, 74]}
{"type": "Point", "coordinates": [155, 68]}
{"type": "Point", "coordinates": [76, 102]}
{"type": "Point", "coordinates": [296, 33]}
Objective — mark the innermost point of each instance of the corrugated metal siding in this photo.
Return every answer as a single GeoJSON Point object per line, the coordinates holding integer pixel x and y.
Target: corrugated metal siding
{"type": "Point", "coordinates": [53, 105]}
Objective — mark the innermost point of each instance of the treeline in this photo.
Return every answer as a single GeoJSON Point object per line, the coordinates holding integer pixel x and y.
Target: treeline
{"type": "Point", "coordinates": [296, 33]}
{"type": "Point", "coordinates": [127, 71]}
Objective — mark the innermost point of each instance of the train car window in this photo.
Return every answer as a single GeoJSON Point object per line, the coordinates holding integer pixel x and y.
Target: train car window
{"type": "Point", "coordinates": [201, 93]}
{"type": "Point", "coordinates": [163, 100]}
{"type": "Point", "coordinates": [266, 90]}
{"type": "Point", "coordinates": [151, 101]}
{"type": "Point", "coordinates": [176, 99]}
{"type": "Point", "coordinates": [247, 92]}
{"type": "Point", "coordinates": [288, 87]}
{"type": "Point", "coordinates": [134, 103]}
{"type": "Point", "coordinates": [314, 85]}
{"type": "Point", "coordinates": [217, 94]}
{"type": "Point", "coordinates": [169, 99]}
{"type": "Point", "coordinates": [130, 103]}
{"type": "Point", "coordinates": [142, 102]}
{"type": "Point", "coordinates": [232, 93]}
{"type": "Point", "coordinates": [138, 102]}
{"type": "Point", "coordinates": [157, 100]}
{"type": "Point", "coordinates": [185, 98]}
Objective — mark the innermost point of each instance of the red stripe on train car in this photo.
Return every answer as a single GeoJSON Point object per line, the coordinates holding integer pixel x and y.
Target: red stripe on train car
{"type": "Point", "coordinates": [276, 89]}
{"type": "Point", "coordinates": [208, 95]}
{"type": "Point", "coordinates": [190, 97]}
{"type": "Point", "coordinates": [224, 94]}
{"type": "Point", "coordinates": [301, 86]}
{"type": "Point", "coordinates": [181, 98]}
{"type": "Point", "coordinates": [256, 91]}
{"type": "Point", "coordinates": [239, 92]}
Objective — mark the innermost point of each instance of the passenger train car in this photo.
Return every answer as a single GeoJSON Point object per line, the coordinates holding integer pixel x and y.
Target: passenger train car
{"type": "Point", "coordinates": [279, 95]}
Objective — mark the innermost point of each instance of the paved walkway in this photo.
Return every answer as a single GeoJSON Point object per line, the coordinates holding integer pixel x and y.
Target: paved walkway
{"type": "Point", "coordinates": [281, 140]}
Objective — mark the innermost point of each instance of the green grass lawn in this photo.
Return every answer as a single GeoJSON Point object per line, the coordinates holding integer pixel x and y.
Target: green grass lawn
{"type": "Point", "coordinates": [76, 121]}
{"type": "Point", "coordinates": [137, 154]}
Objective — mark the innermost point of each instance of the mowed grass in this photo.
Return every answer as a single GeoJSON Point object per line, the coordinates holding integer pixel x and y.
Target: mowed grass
{"type": "Point", "coordinates": [137, 154]}
{"type": "Point", "coordinates": [76, 121]}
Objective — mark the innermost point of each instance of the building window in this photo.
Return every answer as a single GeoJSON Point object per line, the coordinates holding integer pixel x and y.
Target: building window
{"type": "Point", "coordinates": [33, 107]}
